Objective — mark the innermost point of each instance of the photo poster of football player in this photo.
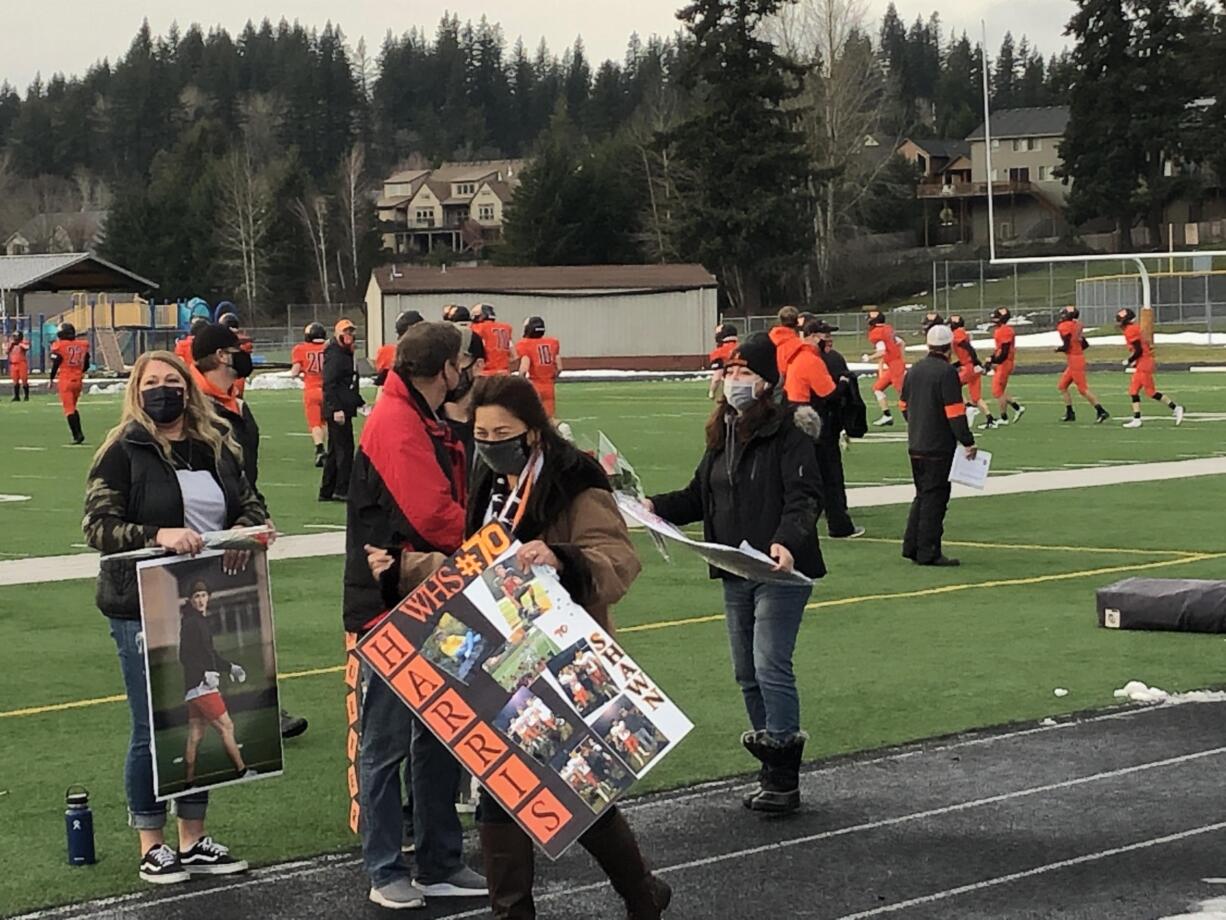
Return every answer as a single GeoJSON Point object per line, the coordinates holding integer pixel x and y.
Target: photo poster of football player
{"type": "Point", "coordinates": [211, 667]}
{"type": "Point", "coordinates": [511, 674]}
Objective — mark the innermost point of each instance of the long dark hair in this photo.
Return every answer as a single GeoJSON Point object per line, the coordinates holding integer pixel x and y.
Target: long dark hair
{"type": "Point", "coordinates": [566, 471]}
{"type": "Point", "coordinates": [760, 415]}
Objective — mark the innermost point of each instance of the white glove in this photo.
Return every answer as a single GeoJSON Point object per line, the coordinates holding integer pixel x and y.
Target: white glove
{"type": "Point", "coordinates": [237, 674]}
{"type": "Point", "coordinates": [979, 370]}
{"type": "Point", "coordinates": [212, 679]}
{"type": "Point", "coordinates": [865, 358]}
{"type": "Point", "coordinates": [1126, 363]}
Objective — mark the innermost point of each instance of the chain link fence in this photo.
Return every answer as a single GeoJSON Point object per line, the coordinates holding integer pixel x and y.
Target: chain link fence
{"type": "Point", "coordinates": [1185, 292]}
{"type": "Point", "coordinates": [274, 343]}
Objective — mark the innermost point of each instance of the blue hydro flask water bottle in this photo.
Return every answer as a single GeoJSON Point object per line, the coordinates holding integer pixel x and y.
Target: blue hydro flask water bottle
{"type": "Point", "coordinates": [79, 821]}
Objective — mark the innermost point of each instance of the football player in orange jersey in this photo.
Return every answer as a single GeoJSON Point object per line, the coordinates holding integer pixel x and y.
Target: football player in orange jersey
{"type": "Point", "coordinates": [183, 347]}
{"type": "Point", "coordinates": [540, 361]}
{"type": "Point", "coordinates": [496, 337]}
{"type": "Point", "coordinates": [1073, 346]}
{"type": "Point", "coordinates": [1141, 360]}
{"type": "Point", "coordinates": [69, 361]}
{"type": "Point", "coordinates": [385, 357]}
{"type": "Point", "coordinates": [891, 363]}
{"type": "Point", "coordinates": [18, 352]}
{"type": "Point", "coordinates": [308, 363]}
{"type": "Point", "coordinates": [725, 344]}
{"type": "Point", "coordinates": [1002, 363]}
{"type": "Point", "coordinates": [231, 321]}
{"type": "Point", "coordinates": [970, 372]}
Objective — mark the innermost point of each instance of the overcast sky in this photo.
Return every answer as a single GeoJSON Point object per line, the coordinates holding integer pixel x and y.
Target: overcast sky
{"type": "Point", "coordinates": [79, 32]}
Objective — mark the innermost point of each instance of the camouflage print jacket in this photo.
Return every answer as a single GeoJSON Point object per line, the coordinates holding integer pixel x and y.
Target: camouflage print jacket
{"type": "Point", "coordinates": [132, 493]}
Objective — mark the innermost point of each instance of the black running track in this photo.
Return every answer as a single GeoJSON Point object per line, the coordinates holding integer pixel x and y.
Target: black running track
{"type": "Point", "coordinates": [1114, 816]}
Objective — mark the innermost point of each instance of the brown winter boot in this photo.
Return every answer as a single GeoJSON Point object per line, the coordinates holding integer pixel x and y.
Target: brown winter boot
{"type": "Point", "coordinates": [510, 865]}
{"type": "Point", "coordinates": [612, 844]}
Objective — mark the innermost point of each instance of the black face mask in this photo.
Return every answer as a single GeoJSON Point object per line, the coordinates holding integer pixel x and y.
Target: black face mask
{"type": "Point", "coordinates": [241, 363]}
{"type": "Point", "coordinates": [505, 457]}
{"type": "Point", "coordinates": [463, 385]}
{"type": "Point", "coordinates": [163, 404]}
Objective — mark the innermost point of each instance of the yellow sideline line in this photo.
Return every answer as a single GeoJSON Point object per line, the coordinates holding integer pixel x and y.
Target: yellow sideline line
{"type": "Point", "coordinates": [1102, 550]}
{"type": "Point", "coordinates": [715, 618]}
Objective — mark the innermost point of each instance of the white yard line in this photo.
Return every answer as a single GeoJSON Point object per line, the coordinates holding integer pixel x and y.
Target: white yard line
{"type": "Point", "coordinates": [307, 546]}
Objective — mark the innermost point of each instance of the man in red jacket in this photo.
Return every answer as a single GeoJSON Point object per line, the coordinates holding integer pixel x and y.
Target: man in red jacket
{"type": "Point", "coordinates": [407, 493]}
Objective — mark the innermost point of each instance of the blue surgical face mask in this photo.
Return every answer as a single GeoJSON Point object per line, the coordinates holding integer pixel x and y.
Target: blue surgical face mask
{"type": "Point", "coordinates": [739, 394]}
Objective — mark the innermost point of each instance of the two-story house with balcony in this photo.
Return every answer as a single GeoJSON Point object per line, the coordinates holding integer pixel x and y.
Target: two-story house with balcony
{"type": "Point", "coordinates": [1028, 197]}
{"type": "Point", "coordinates": [458, 207]}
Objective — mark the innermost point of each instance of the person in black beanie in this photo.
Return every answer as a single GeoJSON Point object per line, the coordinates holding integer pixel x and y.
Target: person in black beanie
{"type": "Point", "coordinates": [758, 483]}
{"type": "Point", "coordinates": [342, 400]}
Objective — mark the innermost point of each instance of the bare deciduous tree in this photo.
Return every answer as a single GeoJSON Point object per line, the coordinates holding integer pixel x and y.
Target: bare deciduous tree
{"type": "Point", "coordinates": [841, 105]}
{"type": "Point", "coordinates": [351, 199]}
{"type": "Point", "coordinates": [312, 212]}
{"type": "Point", "coordinates": [247, 214]}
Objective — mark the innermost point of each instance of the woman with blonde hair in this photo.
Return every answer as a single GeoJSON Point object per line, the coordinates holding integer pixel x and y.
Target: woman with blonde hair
{"type": "Point", "coordinates": [167, 473]}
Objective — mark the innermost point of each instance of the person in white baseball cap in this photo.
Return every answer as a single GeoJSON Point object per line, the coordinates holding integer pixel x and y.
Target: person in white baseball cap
{"type": "Point", "coordinates": [936, 425]}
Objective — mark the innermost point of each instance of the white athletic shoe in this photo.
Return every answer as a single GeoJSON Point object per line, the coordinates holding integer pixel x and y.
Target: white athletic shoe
{"type": "Point", "coordinates": [1017, 415]}
{"type": "Point", "coordinates": [971, 414]}
{"type": "Point", "coordinates": [884, 421]}
{"type": "Point", "coordinates": [1178, 415]}
{"type": "Point", "coordinates": [1133, 423]}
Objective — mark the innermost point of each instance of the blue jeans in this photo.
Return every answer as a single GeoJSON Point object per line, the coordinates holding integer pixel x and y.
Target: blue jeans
{"type": "Point", "coordinates": [144, 811]}
{"type": "Point", "coordinates": [390, 735]}
{"type": "Point", "coordinates": [763, 621]}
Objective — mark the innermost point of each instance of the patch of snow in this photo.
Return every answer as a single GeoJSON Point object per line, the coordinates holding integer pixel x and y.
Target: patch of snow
{"type": "Point", "coordinates": [108, 389]}
{"type": "Point", "coordinates": [1060, 691]}
{"type": "Point", "coordinates": [1049, 723]}
{"type": "Point", "coordinates": [909, 308]}
{"type": "Point", "coordinates": [1138, 692]}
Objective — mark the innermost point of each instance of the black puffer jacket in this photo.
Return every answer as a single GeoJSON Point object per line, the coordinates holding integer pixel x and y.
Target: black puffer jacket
{"type": "Point", "coordinates": [132, 493]}
{"type": "Point", "coordinates": [776, 494]}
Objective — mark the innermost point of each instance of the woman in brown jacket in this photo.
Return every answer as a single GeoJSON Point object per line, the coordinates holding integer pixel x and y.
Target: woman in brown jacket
{"type": "Point", "coordinates": [558, 503]}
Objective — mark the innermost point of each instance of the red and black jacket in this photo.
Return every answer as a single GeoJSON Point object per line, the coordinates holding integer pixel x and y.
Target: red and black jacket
{"type": "Point", "coordinates": [407, 492]}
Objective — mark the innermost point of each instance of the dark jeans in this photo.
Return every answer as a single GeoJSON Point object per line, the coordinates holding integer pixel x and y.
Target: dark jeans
{"type": "Point", "coordinates": [144, 811]}
{"type": "Point", "coordinates": [339, 461]}
{"type": "Point", "coordinates": [390, 735]}
{"type": "Point", "coordinates": [834, 490]}
{"type": "Point", "coordinates": [926, 523]}
{"type": "Point", "coordinates": [763, 622]}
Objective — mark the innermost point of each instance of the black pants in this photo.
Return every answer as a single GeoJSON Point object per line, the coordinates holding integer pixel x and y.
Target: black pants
{"type": "Point", "coordinates": [339, 462]}
{"type": "Point", "coordinates": [926, 523]}
{"type": "Point", "coordinates": [834, 491]}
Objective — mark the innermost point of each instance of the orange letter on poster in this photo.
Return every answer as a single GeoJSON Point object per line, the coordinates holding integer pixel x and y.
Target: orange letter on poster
{"type": "Point", "coordinates": [480, 749]}
{"type": "Point", "coordinates": [417, 682]}
{"type": "Point", "coordinates": [387, 648]}
{"type": "Point", "coordinates": [512, 781]}
{"type": "Point", "coordinates": [544, 816]}
{"type": "Point", "coordinates": [448, 715]}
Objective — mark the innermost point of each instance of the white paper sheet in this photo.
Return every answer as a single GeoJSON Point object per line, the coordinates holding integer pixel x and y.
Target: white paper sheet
{"type": "Point", "coordinates": [971, 473]}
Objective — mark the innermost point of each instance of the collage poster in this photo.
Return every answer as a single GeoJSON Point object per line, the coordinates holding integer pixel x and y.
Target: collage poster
{"type": "Point", "coordinates": [211, 670]}
{"type": "Point", "coordinates": [536, 700]}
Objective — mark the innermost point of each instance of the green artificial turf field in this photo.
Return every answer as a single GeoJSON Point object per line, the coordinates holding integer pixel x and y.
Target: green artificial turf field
{"type": "Point", "coordinates": [889, 653]}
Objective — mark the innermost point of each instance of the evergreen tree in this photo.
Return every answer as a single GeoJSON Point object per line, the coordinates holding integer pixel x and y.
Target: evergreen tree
{"type": "Point", "coordinates": [1004, 76]}
{"type": "Point", "coordinates": [745, 212]}
{"type": "Point", "coordinates": [1097, 153]}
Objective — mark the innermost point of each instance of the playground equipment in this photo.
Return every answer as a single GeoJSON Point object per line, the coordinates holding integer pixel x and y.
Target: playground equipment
{"type": "Point", "coordinates": [117, 331]}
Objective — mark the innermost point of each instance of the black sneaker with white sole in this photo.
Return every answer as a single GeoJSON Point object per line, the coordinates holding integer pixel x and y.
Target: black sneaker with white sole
{"type": "Point", "coordinates": [161, 866]}
{"type": "Point", "coordinates": [208, 857]}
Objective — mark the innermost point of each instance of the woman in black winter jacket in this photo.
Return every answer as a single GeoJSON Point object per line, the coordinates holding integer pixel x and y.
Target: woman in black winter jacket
{"type": "Point", "coordinates": [758, 483]}
{"type": "Point", "coordinates": [168, 472]}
